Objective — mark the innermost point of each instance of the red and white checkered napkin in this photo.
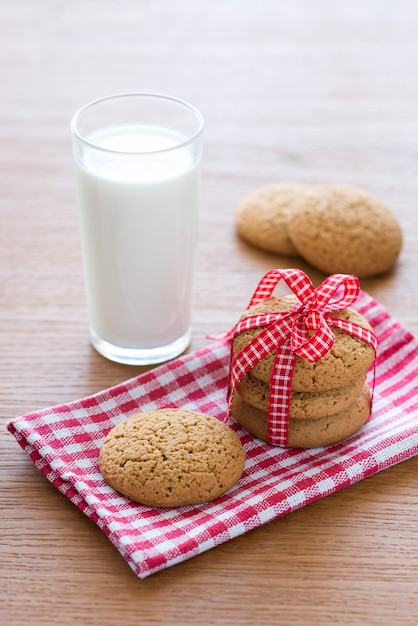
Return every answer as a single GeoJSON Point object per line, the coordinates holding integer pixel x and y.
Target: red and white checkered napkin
{"type": "Point", "coordinates": [64, 443]}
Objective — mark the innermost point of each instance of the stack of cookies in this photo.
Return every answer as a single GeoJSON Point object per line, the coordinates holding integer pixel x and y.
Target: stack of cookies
{"type": "Point", "coordinates": [330, 399]}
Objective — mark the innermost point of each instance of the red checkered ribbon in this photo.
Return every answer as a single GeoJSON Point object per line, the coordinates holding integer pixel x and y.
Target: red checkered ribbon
{"type": "Point", "coordinates": [304, 331]}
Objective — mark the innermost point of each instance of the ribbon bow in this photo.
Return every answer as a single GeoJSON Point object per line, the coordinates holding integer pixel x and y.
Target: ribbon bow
{"type": "Point", "coordinates": [304, 331]}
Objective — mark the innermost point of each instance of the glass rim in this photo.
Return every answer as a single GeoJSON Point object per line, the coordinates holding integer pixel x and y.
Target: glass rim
{"type": "Point", "coordinates": [118, 96]}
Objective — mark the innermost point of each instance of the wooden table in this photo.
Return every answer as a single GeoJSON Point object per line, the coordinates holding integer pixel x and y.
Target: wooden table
{"type": "Point", "coordinates": [323, 91]}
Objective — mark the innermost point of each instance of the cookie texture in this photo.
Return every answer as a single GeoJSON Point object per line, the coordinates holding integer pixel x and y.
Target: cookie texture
{"type": "Point", "coordinates": [343, 229]}
{"type": "Point", "coordinates": [171, 457]}
{"type": "Point", "coordinates": [303, 405]}
{"type": "Point", "coordinates": [261, 216]}
{"type": "Point", "coordinates": [308, 433]}
{"type": "Point", "coordinates": [346, 362]}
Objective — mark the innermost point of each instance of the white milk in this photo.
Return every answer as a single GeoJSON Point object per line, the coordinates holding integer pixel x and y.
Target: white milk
{"type": "Point", "coordinates": [139, 230]}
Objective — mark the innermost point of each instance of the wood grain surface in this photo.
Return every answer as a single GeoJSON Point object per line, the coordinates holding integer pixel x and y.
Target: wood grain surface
{"type": "Point", "coordinates": [323, 91]}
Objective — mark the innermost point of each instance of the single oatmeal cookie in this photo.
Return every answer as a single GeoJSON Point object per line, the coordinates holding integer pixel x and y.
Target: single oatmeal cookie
{"type": "Point", "coordinates": [171, 457]}
{"type": "Point", "coordinates": [342, 229]}
{"type": "Point", "coordinates": [347, 360]}
{"type": "Point", "coordinates": [261, 217]}
{"type": "Point", "coordinates": [303, 404]}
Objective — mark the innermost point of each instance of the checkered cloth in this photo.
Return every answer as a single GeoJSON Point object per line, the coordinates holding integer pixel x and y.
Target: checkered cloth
{"type": "Point", "coordinates": [64, 443]}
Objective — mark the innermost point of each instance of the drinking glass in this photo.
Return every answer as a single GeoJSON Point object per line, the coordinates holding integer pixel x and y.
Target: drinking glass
{"type": "Point", "coordinates": [138, 160]}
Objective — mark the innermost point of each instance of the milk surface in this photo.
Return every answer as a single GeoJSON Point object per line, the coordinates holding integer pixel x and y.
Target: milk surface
{"type": "Point", "coordinates": [139, 231]}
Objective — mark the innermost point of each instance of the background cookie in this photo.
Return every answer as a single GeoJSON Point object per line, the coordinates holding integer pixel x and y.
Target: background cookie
{"type": "Point", "coordinates": [261, 217]}
{"type": "Point", "coordinates": [348, 359]}
{"type": "Point", "coordinates": [308, 433]}
{"type": "Point", "coordinates": [171, 457]}
{"type": "Point", "coordinates": [342, 229]}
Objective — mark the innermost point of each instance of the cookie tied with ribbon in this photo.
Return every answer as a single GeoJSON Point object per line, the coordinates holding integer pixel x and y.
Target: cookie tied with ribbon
{"type": "Point", "coordinates": [306, 349]}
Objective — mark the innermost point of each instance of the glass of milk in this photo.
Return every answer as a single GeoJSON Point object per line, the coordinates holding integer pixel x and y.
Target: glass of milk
{"type": "Point", "coordinates": [138, 173]}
